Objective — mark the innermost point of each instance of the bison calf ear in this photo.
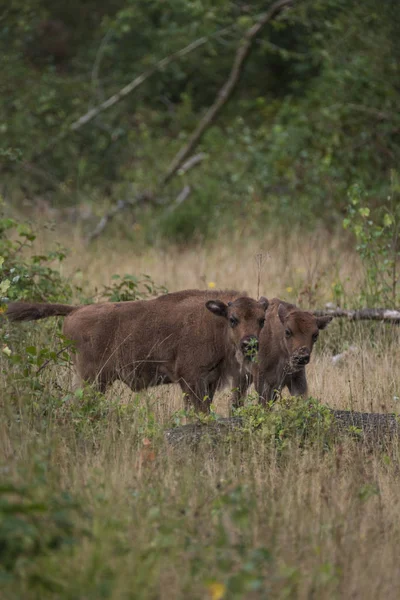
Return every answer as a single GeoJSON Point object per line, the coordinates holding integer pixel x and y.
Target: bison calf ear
{"type": "Point", "coordinates": [282, 313]}
{"type": "Point", "coordinates": [264, 302]}
{"type": "Point", "coordinates": [217, 307]}
{"type": "Point", "coordinates": [323, 322]}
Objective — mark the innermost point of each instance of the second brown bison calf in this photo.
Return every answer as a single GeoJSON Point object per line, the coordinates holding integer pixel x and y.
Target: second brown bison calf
{"type": "Point", "coordinates": [197, 339]}
{"type": "Point", "coordinates": [286, 343]}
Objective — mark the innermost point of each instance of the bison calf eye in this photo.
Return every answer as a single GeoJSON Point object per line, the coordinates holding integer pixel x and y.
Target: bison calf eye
{"type": "Point", "coordinates": [233, 321]}
{"type": "Point", "coordinates": [262, 321]}
{"type": "Point", "coordinates": [288, 333]}
{"type": "Point", "coordinates": [315, 337]}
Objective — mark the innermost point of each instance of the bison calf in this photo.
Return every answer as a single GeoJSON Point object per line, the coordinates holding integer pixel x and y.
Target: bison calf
{"type": "Point", "coordinates": [286, 343]}
{"type": "Point", "coordinates": [197, 339]}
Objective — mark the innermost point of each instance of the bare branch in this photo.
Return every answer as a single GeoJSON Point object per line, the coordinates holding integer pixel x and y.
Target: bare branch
{"type": "Point", "coordinates": [364, 314]}
{"type": "Point", "coordinates": [182, 196]}
{"type": "Point", "coordinates": [97, 63]}
{"type": "Point", "coordinates": [120, 206]}
{"type": "Point", "coordinates": [226, 91]}
{"type": "Point", "coordinates": [135, 83]}
{"type": "Point", "coordinates": [48, 361]}
{"type": "Point", "coordinates": [192, 162]}
{"type": "Point", "coordinates": [179, 164]}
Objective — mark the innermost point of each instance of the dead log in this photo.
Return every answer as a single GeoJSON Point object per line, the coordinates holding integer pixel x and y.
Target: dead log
{"type": "Point", "coordinates": [387, 315]}
{"type": "Point", "coordinates": [193, 433]}
{"type": "Point", "coordinates": [368, 427]}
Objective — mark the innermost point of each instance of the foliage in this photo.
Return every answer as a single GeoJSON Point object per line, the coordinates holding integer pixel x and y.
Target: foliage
{"type": "Point", "coordinates": [90, 486]}
{"type": "Point", "coordinates": [289, 420]}
{"type": "Point", "coordinates": [315, 110]}
{"type": "Point", "coordinates": [28, 357]}
{"type": "Point", "coordinates": [130, 287]}
{"type": "Point", "coordinates": [36, 522]}
{"type": "Point", "coordinates": [377, 234]}
{"type": "Point", "coordinates": [24, 276]}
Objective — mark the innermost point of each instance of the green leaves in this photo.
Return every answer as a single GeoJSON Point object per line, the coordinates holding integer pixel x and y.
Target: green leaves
{"type": "Point", "coordinates": [292, 420]}
{"type": "Point", "coordinates": [33, 525]}
{"type": "Point", "coordinates": [28, 277]}
{"type": "Point", "coordinates": [376, 230]}
{"type": "Point", "coordinates": [130, 287]}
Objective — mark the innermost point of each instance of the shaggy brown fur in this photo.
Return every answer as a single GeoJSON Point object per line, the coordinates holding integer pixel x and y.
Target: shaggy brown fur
{"type": "Point", "coordinates": [286, 343]}
{"type": "Point", "coordinates": [195, 338]}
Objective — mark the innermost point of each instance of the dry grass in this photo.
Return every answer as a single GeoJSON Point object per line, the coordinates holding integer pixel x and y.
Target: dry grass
{"type": "Point", "coordinates": [302, 522]}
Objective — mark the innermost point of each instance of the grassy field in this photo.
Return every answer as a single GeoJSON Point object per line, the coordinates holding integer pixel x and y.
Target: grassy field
{"type": "Point", "coordinates": [96, 505]}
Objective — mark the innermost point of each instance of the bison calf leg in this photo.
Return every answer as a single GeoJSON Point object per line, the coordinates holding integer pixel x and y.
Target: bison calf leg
{"type": "Point", "coordinates": [78, 382]}
{"type": "Point", "coordinates": [241, 384]}
{"type": "Point", "coordinates": [297, 384]}
{"type": "Point", "coordinates": [267, 392]}
{"type": "Point", "coordinates": [199, 397]}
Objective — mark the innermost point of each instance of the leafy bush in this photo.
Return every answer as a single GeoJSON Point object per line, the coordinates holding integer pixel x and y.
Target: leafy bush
{"type": "Point", "coordinates": [377, 232]}
{"type": "Point", "coordinates": [309, 118]}
{"type": "Point", "coordinates": [35, 522]}
{"type": "Point", "coordinates": [130, 287]}
{"type": "Point", "coordinates": [25, 276]}
{"type": "Point", "coordinates": [289, 420]}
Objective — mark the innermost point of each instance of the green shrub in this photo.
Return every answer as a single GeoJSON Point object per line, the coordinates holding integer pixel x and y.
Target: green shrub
{"type": "Point", "coordinates": [130, 287]}
{"type": "Point", "coordinates": [28, 276]}
{"type": "Point", "coordinates": [36, 521]}
{"type": "Point", "coordinates": [377, 233]}
{"type": "Point", "coordinates": [289, 421]}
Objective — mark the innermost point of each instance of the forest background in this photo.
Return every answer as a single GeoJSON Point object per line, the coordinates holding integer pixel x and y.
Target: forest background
{"type": "Point", "coordinates": [314, 111]}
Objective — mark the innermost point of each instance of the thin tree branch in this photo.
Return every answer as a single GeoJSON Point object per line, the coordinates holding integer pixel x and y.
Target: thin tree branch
{"type": "Point", "coordinates": [135, 83]}
{"type": "Point", "coordinates": [192, 162]}
{"type": "Point", "coordinates": [97, 62]}
{"type": "Point", "coordinates": [120, 206]}
{"type": "Point", "coordinates": [364, 314]}
{"type": "Point", "coordinates": [49, 360]}
{"type": "Point", "coordinates": [226, 91]}
{"type": "Point", "coordinates": [180, 199]}
{"type": "Point", "coordinates": [223, 96]}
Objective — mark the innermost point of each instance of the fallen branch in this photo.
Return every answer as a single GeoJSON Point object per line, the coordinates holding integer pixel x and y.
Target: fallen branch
{"type": "Point", "coordinates": [120, 206]}
{"type": "Point", "coordinates": [369, 427]}
{"type": "Point", "coordinates": [192, 162]}
{"type": "Point", "coordinates": [126, 90]}
{"type": "Point", "coordinates": [135, 83]}
{"type": "Point", "coordinates": [182, 196]}
{"type": "Point", "coordinates": [226, 90]}
{"type": "Point", "coordinates": [181, 163]}
{"type": "Point", "coordinates": [369, 314]}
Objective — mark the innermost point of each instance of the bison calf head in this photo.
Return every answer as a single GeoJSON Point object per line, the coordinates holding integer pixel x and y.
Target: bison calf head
{"type": "Point", "coordinates": [245, 318]}
{"type": "Point", "coordinates": [301, 330]}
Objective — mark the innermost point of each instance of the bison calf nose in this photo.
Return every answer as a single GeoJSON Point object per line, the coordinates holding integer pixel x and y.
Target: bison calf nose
{"type": "Point", "coordinates": [249, 345]}
{"type": "Point", "coordinates": [303, 358]}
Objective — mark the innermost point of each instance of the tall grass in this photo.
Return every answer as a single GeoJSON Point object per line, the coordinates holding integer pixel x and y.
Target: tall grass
{"type": "Point", "coordinates": [94, 504]}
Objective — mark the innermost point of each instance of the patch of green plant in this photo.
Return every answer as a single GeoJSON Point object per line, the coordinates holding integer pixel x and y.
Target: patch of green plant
{"type": "Point", "coordinates": [36, 521]}
{"type": "Point", "coordinates": [251, 352]}
{"type": "Point", "coordinates": [27, 276]}
{"type": "Point", "coordinates": [289, 420]}
{"type": "Point", "coordinates": [130, 287]}
{"type": "Point", "coordinates": [377, 232]}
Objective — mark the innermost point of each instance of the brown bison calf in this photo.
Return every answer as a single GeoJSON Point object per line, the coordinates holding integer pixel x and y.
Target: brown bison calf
{"type": "Point", "coordinates": [197, 339]}
{"type": "Point", "coordinates": [286, 343]}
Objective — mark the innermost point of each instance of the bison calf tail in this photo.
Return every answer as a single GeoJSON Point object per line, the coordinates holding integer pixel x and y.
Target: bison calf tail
{"type": "Point", "coordinates": [27, 311]}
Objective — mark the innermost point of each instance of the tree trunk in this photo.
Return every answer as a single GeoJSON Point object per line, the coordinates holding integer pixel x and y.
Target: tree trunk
{"type": "Point", "coordinates": [370, 427]}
